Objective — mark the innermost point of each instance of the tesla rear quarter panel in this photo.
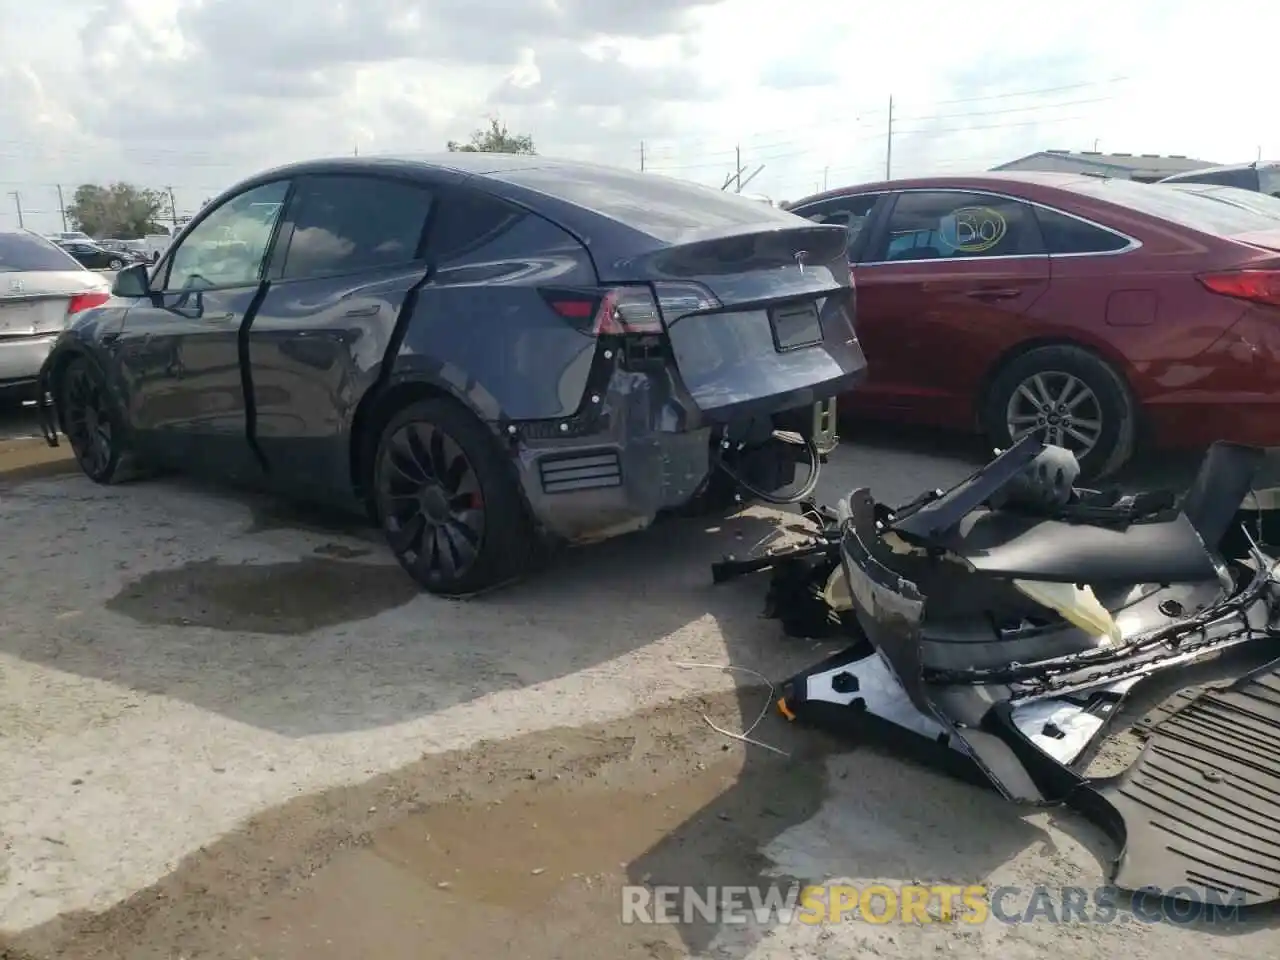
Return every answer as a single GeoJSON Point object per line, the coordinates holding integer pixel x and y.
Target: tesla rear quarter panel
{"type": "Point", "coordinates": [627, 435]}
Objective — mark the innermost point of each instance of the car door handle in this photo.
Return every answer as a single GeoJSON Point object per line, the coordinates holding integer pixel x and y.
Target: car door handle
{"type": "Point", "coordinates": [356, 312]}
{"type": "Point", "coordinates": [218, 317]}
{"type": "Point", "coordinates": [995, 293]}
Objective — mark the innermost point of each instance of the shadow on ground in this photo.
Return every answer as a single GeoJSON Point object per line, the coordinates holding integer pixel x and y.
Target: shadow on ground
{"type": "Point", "coordinates": [342, 640]}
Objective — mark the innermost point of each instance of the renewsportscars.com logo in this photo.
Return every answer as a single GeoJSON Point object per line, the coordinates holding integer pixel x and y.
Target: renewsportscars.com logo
{"type": "Point", "coordinates": [971, 904]}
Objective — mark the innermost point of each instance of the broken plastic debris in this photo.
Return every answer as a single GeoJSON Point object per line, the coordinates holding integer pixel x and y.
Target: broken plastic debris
{"type": "Point", "coordinates": [1078, 605]}
{"type": "Point", "coordinates": [837, 593]}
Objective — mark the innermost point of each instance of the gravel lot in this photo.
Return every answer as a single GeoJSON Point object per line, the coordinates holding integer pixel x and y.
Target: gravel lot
{"type": "Point", "coordinates": [230, 728]}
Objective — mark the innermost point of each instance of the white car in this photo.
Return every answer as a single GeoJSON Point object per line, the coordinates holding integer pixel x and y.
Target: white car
{"type": "Point", "coordinates": [69, 236]}
{"type": "Point", "coordinates": [41, 288]}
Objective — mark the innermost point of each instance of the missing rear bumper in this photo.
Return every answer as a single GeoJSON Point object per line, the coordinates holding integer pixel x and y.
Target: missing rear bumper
{"type": "Point", "coordinates": [1006, 628]}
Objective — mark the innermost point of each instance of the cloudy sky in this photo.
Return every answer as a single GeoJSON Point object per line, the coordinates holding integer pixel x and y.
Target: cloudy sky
{"type": "Point", "coordinates": [195, 94]}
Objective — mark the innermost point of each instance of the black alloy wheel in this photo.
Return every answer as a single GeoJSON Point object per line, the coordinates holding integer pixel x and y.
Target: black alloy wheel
{"type": "Point", "coordinates": [449, 507]}
{"type": "Point", "coordinates": [92, 425]}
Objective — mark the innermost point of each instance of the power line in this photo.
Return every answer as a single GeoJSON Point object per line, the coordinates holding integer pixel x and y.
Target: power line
{"type": "Point", "coordinates": [920, 119]}
{"type": "Point", "coordinates": [858, 116]}
{"type": "Point", "coordinates": [918, 134]}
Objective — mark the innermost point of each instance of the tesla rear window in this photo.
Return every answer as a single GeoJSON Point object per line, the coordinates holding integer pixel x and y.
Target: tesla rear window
{"type": "Point", "coordinates": [1177, 206]}
{"type": "Point", "coordinates": [20, 252]}
{"type": "Point", "coordinates": [665, 209]}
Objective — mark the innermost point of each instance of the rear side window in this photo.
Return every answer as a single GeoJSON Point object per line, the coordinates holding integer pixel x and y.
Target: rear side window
{"type": "Point", "coordinates": [1176, 206]}
{"type": "Point", "coordinates": [668, 210]}
{"type": "Point", "coordinates": [1066, 234]}
{"type": "Point", "coordinates": [852, 213]}
{"type": "Point", "coordinates": [947, 224]}
{"type": "Point", "coordinates": [21, 252]}
{"type": "Point", "coordinates": [466, 220]}
{"type": "Point", "coordinates": [343, 224]}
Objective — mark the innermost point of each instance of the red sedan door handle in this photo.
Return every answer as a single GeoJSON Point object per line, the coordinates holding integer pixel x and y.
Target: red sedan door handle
{"type": "Point", "coordinates": [995, 293]}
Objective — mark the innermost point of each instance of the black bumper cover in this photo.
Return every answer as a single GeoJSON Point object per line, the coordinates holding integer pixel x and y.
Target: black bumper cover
{"type": "Point", "coordinates": [1197, 815]}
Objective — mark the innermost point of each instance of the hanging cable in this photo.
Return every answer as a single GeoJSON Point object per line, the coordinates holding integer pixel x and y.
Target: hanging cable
{"type": "Point", "coordinates": [805, 491]}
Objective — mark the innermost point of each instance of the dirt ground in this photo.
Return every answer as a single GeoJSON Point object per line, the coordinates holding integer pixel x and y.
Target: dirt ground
{"type": "Point", "coordinates": [509, 843]}
{"type": "Point", "coordinates": [229, 728]}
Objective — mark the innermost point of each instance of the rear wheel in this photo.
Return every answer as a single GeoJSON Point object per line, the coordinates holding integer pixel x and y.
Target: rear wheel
{"type": "Point", "coordinates": [115, 265]}
{"type": "Point", "coordinates": [448, 503]}
{"type": "Point", "coordinates": [1064, 396]}
{"type": "Point", "coordinates": [94, 425]}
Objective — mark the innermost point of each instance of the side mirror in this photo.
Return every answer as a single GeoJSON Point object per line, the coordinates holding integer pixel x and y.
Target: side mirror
{"type": "Point", "coordinates": [132, 281]}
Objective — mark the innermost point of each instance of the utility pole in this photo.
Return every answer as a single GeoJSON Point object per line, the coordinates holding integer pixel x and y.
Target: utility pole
{"type": "Point", "coordinates": [736, 177]}
{"type": "Point", "coordinates": [17, 202]}
{"type": "Point", "coordinates": [825, 171]}
{"type": "Point", "coordinates": [173, 209]}
{"type": "Point", "coordinates": [642, 156]}
{"type": "Point", "coordinates": [355, 151]}
{"type": "Point", "coordinates": [62, 209]}
{"type": "Point", "coordinates": [888, 148]}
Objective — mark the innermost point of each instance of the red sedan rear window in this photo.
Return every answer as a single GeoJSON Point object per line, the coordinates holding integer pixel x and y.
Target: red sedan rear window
{"type": "Point", "coordinates": [1187, 209]}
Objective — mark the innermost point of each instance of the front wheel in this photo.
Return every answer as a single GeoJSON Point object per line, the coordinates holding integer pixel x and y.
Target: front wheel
{"type": "Point", "coordinates": [447, 501]}
{"type": "Point", "coordinates": [1068, 397]}
{"type": "Point", "coordinates": [115, 265]}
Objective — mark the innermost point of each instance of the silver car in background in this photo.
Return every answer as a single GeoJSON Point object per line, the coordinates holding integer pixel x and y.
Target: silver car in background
{"type": "Point", "coordinates": [41, 288]}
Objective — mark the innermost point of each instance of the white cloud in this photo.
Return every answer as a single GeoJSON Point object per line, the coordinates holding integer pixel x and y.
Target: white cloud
{"type": "Point", "coordinates": [197, 93]}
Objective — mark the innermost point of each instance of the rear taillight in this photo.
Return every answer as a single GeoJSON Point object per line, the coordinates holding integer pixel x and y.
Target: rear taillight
{"type": "Point", "coordinates": [616, 311]}
{"type": "Point", "coordinates": [84, 301]}
{"type": "Point", "coordinates": [1260, 286]}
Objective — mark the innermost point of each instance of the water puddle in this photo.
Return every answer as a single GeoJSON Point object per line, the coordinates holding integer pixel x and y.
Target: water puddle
{"type": "Point", "coordinates": [279, 598]}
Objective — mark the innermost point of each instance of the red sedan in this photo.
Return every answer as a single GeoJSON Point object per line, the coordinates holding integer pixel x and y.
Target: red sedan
{"type": "Point", "coordinates": [1098, 313]}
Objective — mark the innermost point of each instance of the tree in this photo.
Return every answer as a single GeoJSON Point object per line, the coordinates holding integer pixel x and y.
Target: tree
{"type": "Point", "coordinates": [497, 139]}
{"type": "Point", "coordinates": [120, 210]}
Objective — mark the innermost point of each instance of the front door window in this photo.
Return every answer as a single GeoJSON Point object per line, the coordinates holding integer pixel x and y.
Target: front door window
{"type": "Point", "coordinates": [228, 247]}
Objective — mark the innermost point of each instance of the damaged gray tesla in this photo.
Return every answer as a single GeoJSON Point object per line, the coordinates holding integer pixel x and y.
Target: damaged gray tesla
{"type": "Point", "coordinates": [1005, 628]}
{"type": "Point", "coordinates": [487, 352]}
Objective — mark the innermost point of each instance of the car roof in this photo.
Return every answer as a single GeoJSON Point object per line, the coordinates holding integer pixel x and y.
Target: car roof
{"type": "Point", "coordinates": [1224, 168]}
{"type": "Point", "coordinates": [987, 180]}
{"type": "Point", "coordinates": [460, 162]}
{"type": "Point", "coordinates": [617, 213]}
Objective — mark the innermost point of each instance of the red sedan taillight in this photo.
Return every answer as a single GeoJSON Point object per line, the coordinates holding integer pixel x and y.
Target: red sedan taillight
{"type": "Point", "coordinates": [1259, 286]}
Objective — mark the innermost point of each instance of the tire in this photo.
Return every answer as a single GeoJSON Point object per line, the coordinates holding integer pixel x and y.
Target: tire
{"type": "Point", "coordinates": [448, 502]}
{"type": "Point", "coordinates": [94, 426]}
{"type": "Point", "coordinates": [115, 264]}
{"type": "Point", "coordinates": [1108, 403]}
